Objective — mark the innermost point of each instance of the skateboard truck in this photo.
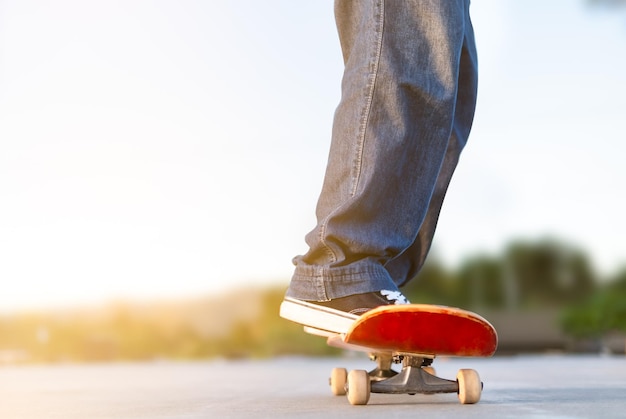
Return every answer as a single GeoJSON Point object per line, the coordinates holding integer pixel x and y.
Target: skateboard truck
{"type": "Point", "coordinates": [414, 379]}
{"type": "Point", "coordinates": [416, 376]}
{"type": "Point", "coordinates": [384, 361]}
{"type": "Point", "coordinates": [383, 369]}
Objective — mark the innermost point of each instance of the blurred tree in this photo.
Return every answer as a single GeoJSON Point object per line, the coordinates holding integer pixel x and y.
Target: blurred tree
{"type": "Point", "coordinates": [433, 285]}
{"type": "Point", "coordinates": [603, 311]}
{"type": "Point", "coordinates": [613, 4]}
{"type": "Point", "coordinates": [269, 335]}
{"type": "Point", "coordinates": [549, 272]}
{"type": "Point", "coordinates": [481, 283]}
{"type": "Point", "coordinates": [529, 274]}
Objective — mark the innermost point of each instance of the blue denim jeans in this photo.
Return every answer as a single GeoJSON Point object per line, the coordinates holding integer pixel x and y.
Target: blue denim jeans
{"type": "Point", "coordinates": [407, 105]}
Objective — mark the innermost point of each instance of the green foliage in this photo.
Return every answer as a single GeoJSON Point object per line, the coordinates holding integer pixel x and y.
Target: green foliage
{"type": "Point", "coordinates": [481, 283]}
{"type": "Point", "coordinates": [269, 335]}
{"type": "Point", "coordinates": [602, 312]}
{"type": "Point", "coordinates": [125, 332]}
{"type": "Point", "coordinates": [117, 336]}
{"type": "Point", "coordinates": [545, 273]}
{"type": "Point", "coordinates": [526, 276]}
{"type": "Point", "coordinates": [433, 285]}
{"type": "Point", "coordinates": [549, 273]}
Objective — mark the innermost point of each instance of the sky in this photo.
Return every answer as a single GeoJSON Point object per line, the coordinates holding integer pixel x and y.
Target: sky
{"type": "Point", "coordinates": [154, 149]}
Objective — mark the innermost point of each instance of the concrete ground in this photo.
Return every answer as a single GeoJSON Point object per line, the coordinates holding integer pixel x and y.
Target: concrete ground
{"type": "Point", "coordinates": [553, 386]}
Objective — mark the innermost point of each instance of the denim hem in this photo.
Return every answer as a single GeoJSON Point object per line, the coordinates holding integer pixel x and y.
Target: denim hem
{"type": "Point", "coordinates": [320, 283]}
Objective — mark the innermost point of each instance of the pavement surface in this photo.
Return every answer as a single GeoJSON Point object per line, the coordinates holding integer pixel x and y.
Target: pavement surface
{"type": "Point", "coordinates": [553, 386]}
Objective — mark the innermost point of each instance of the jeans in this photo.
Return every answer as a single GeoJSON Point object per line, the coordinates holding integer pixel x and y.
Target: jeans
{"type": "Point", "coordinates": [407, 105]}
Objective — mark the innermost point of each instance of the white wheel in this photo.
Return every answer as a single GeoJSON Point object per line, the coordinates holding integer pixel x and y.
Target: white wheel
{"type": "Point", "coordinates": [358, 387]}
{"type": "Point", "coordinates": [338, 380]}
{"type": "Point", "coordinates": [470, 386]}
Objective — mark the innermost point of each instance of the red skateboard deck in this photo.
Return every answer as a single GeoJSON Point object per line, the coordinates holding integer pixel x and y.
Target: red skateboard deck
{"type": "Point", "coordinates": [422, 329]}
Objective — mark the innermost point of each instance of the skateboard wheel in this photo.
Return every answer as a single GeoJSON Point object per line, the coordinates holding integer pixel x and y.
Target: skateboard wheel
{"type": "Point", "coordinates": [470, 386]}
{"type": "Point", "coordinates": [358, 387]}
{"type": "Point", "coordinates": [338, 380]}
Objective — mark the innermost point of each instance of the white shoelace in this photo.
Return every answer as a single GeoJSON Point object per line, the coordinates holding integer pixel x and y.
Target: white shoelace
{"type": "Point", "coordinates": [395, 296]}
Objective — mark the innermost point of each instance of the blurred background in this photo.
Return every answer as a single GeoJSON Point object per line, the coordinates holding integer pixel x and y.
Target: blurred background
{"type": "Point", "coordinates": [160, 163]}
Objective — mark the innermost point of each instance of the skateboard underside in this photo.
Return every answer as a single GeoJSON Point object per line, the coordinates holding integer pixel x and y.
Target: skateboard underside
{"type": "Point", "coordinates": [424, 329]}
{"type": "Point", "coordinates": [416, 377]}
{"type": "Point", "coordinates": [412, 336]}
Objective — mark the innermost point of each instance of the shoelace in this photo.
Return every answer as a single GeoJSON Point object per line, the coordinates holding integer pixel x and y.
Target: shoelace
{"type": "Point", "coordinates": [395, 296]}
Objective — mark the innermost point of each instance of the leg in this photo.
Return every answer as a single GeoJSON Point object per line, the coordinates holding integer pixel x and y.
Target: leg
{"type": "Point", "coordinates": [396, 139]}
{"type": "Point", "coordinates": [407, 265]}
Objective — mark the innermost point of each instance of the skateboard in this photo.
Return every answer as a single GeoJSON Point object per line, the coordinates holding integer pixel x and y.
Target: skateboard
{"type": "Point", "coordinates": [412, 335]}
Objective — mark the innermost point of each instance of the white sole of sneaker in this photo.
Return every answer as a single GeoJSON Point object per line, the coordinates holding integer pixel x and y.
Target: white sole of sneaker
{"type": "Point", "coordinates": [320, 333]}
{"type": "Point", "coordinates": [316, 316]}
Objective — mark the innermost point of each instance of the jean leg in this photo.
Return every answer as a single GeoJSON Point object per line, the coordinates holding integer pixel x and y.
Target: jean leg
{"type": "Point", "coordinates": [391, 136]}
{"type": "Point", "coordinates": [406, 266]}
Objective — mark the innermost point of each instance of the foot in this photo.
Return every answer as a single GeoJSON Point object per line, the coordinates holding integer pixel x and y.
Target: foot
{"type": "Point", "coordinates": [337, 315]}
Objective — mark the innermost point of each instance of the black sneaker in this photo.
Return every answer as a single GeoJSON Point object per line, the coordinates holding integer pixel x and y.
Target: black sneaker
{"type": "Point", "coordinates": [336, 315]}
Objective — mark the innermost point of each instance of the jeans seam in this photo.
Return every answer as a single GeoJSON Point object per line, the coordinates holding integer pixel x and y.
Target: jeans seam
{"type": "Point", "coordinates": [331, 254]}
{"type": "Point", "coordinates": [365, 113]}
